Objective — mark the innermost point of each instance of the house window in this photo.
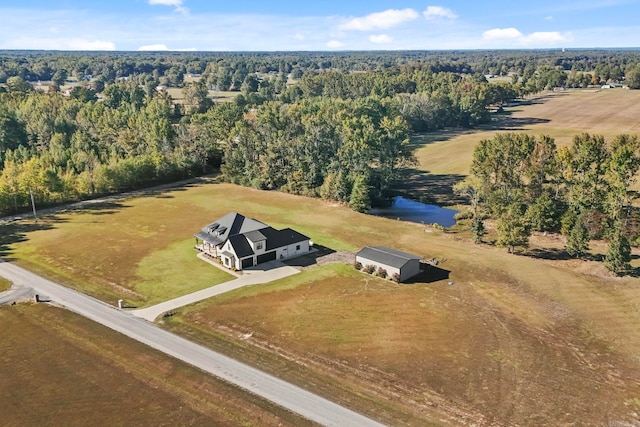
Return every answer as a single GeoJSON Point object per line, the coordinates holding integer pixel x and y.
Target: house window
{"type": "Point", "coordinates": [297, 247]}
{"type": "Point", "coordinates": [259, 245]}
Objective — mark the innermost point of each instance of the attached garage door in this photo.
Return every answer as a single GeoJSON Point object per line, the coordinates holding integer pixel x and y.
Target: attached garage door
{"type": "Point", "coordinates": [247, 262]}
{"type": "Point", "coordinates": [269, 256]}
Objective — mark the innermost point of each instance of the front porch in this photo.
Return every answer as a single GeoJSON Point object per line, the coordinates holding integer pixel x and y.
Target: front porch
{"type": "Point", "coordinates": [207, 248]}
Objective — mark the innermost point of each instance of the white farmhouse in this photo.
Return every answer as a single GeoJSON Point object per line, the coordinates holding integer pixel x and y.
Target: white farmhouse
{"type": "Point", "coordinates": [240, 242]}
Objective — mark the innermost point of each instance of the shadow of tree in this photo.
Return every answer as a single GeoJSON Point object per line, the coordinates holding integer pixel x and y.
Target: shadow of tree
{"type": "Point", "coordinates": [429, 188]}
{"type": "Point", "coordinates": [16, 228]}
{"type": "Point", "coordinates": [548, 254]}
{"type": "Point", "coordinates": [16, 231]}
{"type": "Point", "coordinates": [505, 122]}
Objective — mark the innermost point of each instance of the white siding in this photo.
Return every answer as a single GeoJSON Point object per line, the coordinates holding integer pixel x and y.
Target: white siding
{"type": "Point", "coordinates": [408, 270]}
{"type": "Point", "coordinates": [390, 270]}
{"type": "Point", "coordinates": [291, 251]}
{"type": "Point", "coordinates": [255, 245]}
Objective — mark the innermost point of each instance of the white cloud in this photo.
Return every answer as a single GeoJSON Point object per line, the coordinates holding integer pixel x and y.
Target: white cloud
{"type": "Point", "coordinates": [299, 36]}
{"type": "Point", "coordinates": [380, 39]}
{"type": "Point", "coordinates": [162, 47]}
{"type": "Point", "coordinates": [175, 3]}
{"type": "Point", "coordinates": [548, 18]}
{"type": "Point", "coordinates": [380, 20]}
{"type": "Point", "coordinates": [541, 39]}
{"type": "Point", "coordinates": [153, 47]}
{"type": "Point", "coordinates": [437, 12]}
{"type": "Point", "coordinates": [57, 44]}
{"type": "Point", "coordinates": [547, 38]}
{"type": "Point", "coordinates": [502, 34]}
{"type": "Point", "coordinates": [335, 44]}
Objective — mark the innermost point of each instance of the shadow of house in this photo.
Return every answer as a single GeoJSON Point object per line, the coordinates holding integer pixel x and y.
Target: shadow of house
{"type": "Point", "coordinates": [311, 258]}
{"type": "Point", "coordinates": [428, 274]}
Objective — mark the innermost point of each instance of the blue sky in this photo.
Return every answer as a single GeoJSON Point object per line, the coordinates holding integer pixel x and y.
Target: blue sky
{"type": "Point", "coordinates": [248, 25]}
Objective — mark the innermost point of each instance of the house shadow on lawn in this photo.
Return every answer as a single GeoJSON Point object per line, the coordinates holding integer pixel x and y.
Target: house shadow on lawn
{"type": "Point", "coordinates": [428, 274]}
{"type": "Point", "coordinates": [312, 258]}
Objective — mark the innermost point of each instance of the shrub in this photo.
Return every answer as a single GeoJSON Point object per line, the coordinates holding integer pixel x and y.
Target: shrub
{"type": "Point", "coordinates": [357, 265]}
{"type": "Point", "coordinates": [395, 277]}
{"type": "Point", "coordinates": [462, 215]}
{"type": "Point", "coordinates": [369, 269]}
{"type": "Point", "coordinates": [381, 272]}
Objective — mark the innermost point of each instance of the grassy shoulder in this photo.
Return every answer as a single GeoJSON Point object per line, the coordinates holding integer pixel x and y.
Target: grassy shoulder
{"type": "Point", "coordinates": [4, 284]}
{"type": "Point", "coordinates": [81, 373]}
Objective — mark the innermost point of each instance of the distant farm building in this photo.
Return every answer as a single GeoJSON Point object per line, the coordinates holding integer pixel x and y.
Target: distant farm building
{"type": "Point", "coordinates": [240, 242]}
{"type": "Point", "coordinates": [404, 264]}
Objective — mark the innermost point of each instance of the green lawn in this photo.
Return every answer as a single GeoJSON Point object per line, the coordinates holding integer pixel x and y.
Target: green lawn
{"type": "Point", "coordinates": [174, 271]}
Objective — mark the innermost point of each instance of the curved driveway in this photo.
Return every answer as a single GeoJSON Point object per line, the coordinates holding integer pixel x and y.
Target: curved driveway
{"type": "Point", "coordinates": [294, 398]}
{"type": "Point", "coordinates": [264, 273]}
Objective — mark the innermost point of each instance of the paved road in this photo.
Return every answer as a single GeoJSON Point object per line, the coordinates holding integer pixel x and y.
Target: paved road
{"type": "Point", "coordinates": [263, 273]}
{"type": "Point", "coordinates": [267, 386]}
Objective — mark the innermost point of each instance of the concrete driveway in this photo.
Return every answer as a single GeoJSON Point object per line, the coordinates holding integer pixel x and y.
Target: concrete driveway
{"type": "Point", "coordinates": [263, 273]}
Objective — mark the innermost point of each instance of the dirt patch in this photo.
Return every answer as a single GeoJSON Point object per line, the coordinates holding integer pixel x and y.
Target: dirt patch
{"type": "Point", "coordinates": [322, 256]}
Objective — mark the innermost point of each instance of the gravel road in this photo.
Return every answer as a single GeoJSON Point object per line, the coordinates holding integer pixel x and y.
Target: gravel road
{"type": "Point", "coordinates": [267, 386]}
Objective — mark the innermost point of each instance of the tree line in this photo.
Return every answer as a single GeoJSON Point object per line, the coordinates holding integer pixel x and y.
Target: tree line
{"type": "Point", "coordinates": [584, 191]}
{"type": "Point", "coordinates": [341, 136]}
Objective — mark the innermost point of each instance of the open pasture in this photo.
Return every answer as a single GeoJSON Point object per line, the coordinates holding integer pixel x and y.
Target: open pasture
{"type": "Point", "coordinates": [445, 157]}
{"type": "Point", "coordinates": [513, 340]}
{"type": "Point", "coordinates": [562, 115]}
{"type": "Point", "coordinates": [61, 369]}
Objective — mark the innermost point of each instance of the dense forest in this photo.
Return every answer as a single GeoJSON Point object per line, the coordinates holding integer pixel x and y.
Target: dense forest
{"type": "Point", "coordinates": [331, 125]}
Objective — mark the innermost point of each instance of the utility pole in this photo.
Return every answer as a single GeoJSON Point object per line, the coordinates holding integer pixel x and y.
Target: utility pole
{"type": "Point", "coordinates": [33, 205]}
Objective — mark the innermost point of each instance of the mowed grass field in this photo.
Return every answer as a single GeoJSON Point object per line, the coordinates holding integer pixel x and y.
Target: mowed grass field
{"type": "Point", "coordinates": [513, 340]}
{"type": "Point", "coordinates": [60, 369]}
{"type": "Point", "coordinates": [562, 115]}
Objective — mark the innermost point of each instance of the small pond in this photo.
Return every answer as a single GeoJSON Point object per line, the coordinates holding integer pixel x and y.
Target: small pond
{"type": "Point", "coordinates": [410, 210]}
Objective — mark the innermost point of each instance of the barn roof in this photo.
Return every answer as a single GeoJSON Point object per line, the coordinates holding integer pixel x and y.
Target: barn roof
{"type": "Point", "coordinates": [387, 256]}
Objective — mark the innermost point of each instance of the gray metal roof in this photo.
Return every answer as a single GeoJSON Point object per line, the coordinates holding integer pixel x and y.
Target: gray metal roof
{"type": "Point", "coordinates": [387, 256]}
{"type": "Point", "coordinates": [231, 224]}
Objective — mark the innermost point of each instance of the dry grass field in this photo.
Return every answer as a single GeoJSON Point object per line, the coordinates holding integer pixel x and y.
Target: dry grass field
{"type": "Point", "coordinates": [561, 115]}
{"type": "Point", "coordinates": [447, 155]}
{"type": "Point", "coordinates": [513, 340]}
{"type": "Point", "coordinates": [59, 369]}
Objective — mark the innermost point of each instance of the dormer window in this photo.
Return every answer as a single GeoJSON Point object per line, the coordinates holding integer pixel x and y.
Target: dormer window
{"type": "Point", "coordinates": [258, 245]}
